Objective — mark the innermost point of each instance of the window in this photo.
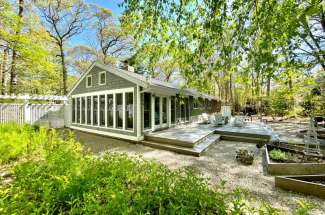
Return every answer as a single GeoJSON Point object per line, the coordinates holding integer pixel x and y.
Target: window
{"type": "Point", "coordinates": [157, 110]}
{"type": "Point", "coordinates": [73, 110]}
{"type": "Point", "coordinates": [83, 110]}
{"type": "Point", "coordinates": [102, 78]}
{"type": "Point", "coordinates": [164, 110]}
{"type": "Point", "coordinates": [110, 110]}
{"type": "Point", "coordinates": [147, 110]}
{"type": "Point", "coordinates": [129, 110]}
{"type": "Point", "coordinates": [78, 110]}
{"type": "Point", "coordinates": [187, 110]}
{"type": "Point", "coordinates": [119, 110]}
{"type": "Point", "coordinates": [102, 110]}
{"type": "Point", "coordinates": [88, 110]}
{"type": "Point", "coordinates": [89, 81]}
{"type": "Point", "coordinates": [172, 110]}
{"type": "Point", "coordinates": [195, 104]}
{"type": "Point", "coordinates": [95, 109]}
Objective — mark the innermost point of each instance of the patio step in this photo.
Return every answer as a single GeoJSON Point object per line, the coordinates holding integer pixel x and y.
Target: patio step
{"type": "Point", "coordinates": [196, 150]}
{"type": "Point", "coordinates": [169, 141]}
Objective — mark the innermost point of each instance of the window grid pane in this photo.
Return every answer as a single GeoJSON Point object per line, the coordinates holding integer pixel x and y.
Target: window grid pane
{"type": "Point", "coordinates": [119, 110]}
{"type": "Point", "coordinates": [78, 110]}
{"type": "Point", "coordinates": [102, 110]}
{"type": "Point", "coordinates": [129, 110]}
{"type": "Point", "coordinates": [95, 113]}
{"type": "Point", "coordinates": [83, 110]}
{"type": "Point", "coordinates": [110, 110]}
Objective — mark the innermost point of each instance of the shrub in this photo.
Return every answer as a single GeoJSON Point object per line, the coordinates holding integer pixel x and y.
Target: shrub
{"type": "Point", "coordinates": [278, 155]}
{"type": "Point", "coordinates": [280, 102]}
{"type": "Point", "coordinates": [17, 140]}
{"type": "Point", "coordinates": [60, 178]}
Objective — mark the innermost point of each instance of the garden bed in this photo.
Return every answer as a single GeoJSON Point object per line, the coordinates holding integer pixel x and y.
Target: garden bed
{"type": "Point", "coordinates": [307, 184]}
{"type": "Point", "coordinates": [296, 164]}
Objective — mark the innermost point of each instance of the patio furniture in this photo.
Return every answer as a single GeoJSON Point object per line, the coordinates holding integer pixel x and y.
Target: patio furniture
{"type": "Point", "coordinates": [219, 120]}
{"type": "Point", "coordinates": [239, 122]}
{"type": "Point", "coordinates": [205, 118]}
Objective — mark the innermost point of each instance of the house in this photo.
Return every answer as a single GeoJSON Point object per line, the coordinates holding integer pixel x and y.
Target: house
{"type": "Point", "coordinates": [120, 103]}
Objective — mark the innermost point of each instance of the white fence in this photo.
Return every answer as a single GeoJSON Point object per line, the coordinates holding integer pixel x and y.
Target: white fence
{"type": "Point", "coordinates": [52, 114]}
{"type": "Point", "coordinates": [30, 113]}
{"type": "Point", "coordinates": [12, 113]}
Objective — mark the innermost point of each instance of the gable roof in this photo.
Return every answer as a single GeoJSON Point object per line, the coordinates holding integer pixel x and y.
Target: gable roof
{"type": "Point", "coordinates": [141, 81]}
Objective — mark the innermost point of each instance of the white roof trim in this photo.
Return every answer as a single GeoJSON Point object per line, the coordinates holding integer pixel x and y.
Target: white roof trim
{"type": "Point", "coordinates": [112, 70]}
{"type": "Point", "coordinates": [143, 82]}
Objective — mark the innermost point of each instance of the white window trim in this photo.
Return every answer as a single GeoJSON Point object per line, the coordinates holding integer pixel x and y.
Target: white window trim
{"type": "Point", "coordinates": [87, 84]}
{"type": "Point", "coordinates": [99, 74]}
{"type": "Point", "coordinates": [107, 92]}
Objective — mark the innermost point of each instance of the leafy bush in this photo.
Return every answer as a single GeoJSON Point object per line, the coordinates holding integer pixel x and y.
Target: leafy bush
{"type": "Point", "coordinates": [58, 177]}
{"type": "Point", "coordinates": [278, 155]}
{"type": "Point", "coordinates": [17, 140]}
{"type": "Point", "coordinates": [280, 102]}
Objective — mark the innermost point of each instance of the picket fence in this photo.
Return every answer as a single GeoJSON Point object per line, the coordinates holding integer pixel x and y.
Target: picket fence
{"type": "Point", "coordinates": [26, 113]}
{"type": "Point", "coordinates": [29, 113]}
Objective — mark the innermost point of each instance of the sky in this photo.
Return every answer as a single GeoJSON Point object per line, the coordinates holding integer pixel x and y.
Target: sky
{"type": "Point", "coordinates": [84, 37]}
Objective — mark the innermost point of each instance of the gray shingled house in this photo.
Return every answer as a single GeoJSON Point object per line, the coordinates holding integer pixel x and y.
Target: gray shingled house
{"type": "Point", "coordinates": [120, 103]}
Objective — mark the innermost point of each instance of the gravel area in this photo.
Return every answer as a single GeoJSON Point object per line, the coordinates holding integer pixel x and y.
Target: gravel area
{"type": "Point", "coordinates": [217, 163]}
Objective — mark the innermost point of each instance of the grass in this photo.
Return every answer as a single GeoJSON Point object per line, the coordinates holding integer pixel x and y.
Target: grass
{"type": "Point", "coordinates": [56, 176]}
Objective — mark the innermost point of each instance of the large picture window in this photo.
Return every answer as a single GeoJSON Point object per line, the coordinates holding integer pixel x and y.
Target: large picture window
{"type": "Point", "coordinates": [110, 110]}
{"type": "Point", "coordinates": [129, 110]}
{"type": "Point", "coordinates": [102, 110]}
{"type": "Point", "coordinates": [88, 110]}
{"type": "Point", "coordinates": [78, 110]}
{"type": "Point", "coordinates": [172, 110]}
{"type": "Point", "coordinates": [83, 110]}
{"type": "Point", "coordinates": [73, 110]}
{"type": "Point", "coordinates": [164, 110]}
{"type": "Point", "coordinates": [119, 110]}
{"type": "Point", "coordinates": [95, 110]}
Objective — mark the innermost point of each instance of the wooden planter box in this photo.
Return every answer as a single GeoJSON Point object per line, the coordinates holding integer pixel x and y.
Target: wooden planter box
{"type": "Point", "coordinates": [274, 168]}
{"type": "Point", "coordinates": [306, 184]}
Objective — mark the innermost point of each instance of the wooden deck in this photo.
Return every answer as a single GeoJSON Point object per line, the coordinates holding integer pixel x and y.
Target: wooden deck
{"type": "Point", "coordinates": [191, 139]}
{"type": "Point", "coordinates": [186, 136]}
{"type": "Point", "coordinates": [252, 132]}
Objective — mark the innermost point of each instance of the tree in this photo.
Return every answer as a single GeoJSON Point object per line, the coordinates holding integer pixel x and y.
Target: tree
{"type": "Point", "coordinates": [64, 19]}
{"type": "Point", "coordinates": [112, 41]}
{"type": "Point", "coordinates": [13, 72]}
{"type": "Point", "coordinates": [33, 52]}
{"type": "Point", "coordinates": [222, 46]}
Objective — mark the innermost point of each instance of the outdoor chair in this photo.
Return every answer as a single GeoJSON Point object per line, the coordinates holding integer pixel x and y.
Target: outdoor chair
{"type": "Point", "coordinates": [219, 120]}
{"type": "Point", "coordinates": [205, 118]}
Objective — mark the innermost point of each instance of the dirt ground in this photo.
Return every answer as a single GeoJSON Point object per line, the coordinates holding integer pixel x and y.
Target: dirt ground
{"type": "Point", "coordinates": [217, 163]}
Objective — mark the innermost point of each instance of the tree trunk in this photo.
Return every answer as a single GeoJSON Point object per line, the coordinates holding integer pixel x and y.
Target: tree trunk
{"type": "Point", "coordinates": [13, 72]}
{"type": "Point", "coordinates": [268, 87]}
{"type": "Point", "coordinates": [64, 70]}
{"type": "Point", "coordinates": [4, 71]}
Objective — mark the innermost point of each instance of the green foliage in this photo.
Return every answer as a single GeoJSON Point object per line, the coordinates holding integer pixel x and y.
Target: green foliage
{"type": "Point", "coordinates": [59, 177]}
{"type": "Point", "coordinates": [278, 155]}
{"type": "Point", "coordinates": [280, 102]}
{"type": "Point", "coordinates": [18, 140]}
